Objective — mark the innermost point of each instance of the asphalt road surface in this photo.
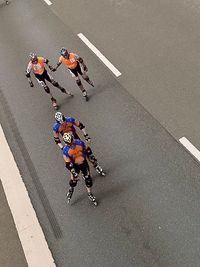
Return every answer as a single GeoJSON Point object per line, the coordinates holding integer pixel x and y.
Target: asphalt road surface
{"type": "Point", "coordinates": [155, 44]}
{"type": "Point", "coordinates": [148, 213]}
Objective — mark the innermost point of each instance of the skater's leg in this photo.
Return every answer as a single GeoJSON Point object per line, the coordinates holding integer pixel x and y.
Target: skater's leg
{"type": "Point", "coordinates": [50, 79]}
{"type": "Point", "coordinates": [88, 181]}
{"type": "Point", "coordinates": [80, 85]}
{"type": "Point", "coordinates": [94, 161]}
{"type": "Point", "coordinates": [63, 90]}
{"type": "Point", "coordinates": [53, 100]}
{"type": "Point", "coordinates": [87, 79]}
{"type": "Point", "coordinates": [47, 90]}
{"type": "Point", "coordinates": [72, 184]}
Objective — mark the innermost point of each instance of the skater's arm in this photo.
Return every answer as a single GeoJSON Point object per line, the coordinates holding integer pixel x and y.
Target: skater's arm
{"type": "Point", "coordinates": [57, 139]}
{"type": "Point", "coordinates": [54, 69]}
{"type": "Point", "coordinates": [58, 64]}
{"type": "Point", "coordinates": [80, 60]}
{"type": "Point", "coordinates": [82, 128]}
{"type": "Point", "coordinates": [47, 62]}
{"type": "Point", "coordinates": [28, 74]}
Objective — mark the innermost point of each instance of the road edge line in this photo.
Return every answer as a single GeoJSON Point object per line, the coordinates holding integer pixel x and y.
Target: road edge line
{"type": "Point", "coordinates": [190, 147]}
{"type": "Point", "coordinates": [48, 2]}
{"type": "Point", "coordinates": [30, 233]}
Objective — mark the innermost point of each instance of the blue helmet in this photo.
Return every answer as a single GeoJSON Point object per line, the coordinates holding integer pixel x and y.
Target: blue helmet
{"type": "Point", "coordinates": [63, 51]}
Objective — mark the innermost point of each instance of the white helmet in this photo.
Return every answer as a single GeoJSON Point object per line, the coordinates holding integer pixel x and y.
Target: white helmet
{"type": "Point", "coordinates": [59, 117]}
{"type": "Point", "coordinates": [68, 138]}
{"type": "Point", "coordinates": [33, 57]}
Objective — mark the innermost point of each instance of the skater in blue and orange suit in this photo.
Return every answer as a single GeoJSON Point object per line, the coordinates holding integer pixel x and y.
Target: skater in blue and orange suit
{"type": "Point", "coordinates": [75, 157]}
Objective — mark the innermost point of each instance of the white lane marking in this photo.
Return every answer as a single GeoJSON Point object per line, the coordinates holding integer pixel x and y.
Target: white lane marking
{"type": "Point", "coordinates": [190, 147]}
{"type": "Point", "coordinates": [48, 2]}
{"type": "Point", "coordinates": [100, 55]}
{"type": "Point", "coordinates": [29, 230]}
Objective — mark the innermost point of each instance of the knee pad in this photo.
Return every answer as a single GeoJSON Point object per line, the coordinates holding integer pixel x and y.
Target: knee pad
{"type": "Point", "coordinates": [55, 83]}
{"type": "Point", "coordinates": [72, 183]}
{"type": "Point", "coordinates": [88, 181]}
{"type": "Point", "coordinates": [78, 82]}
{"type": "Point", "coordinates": [46, 88]}
{"type": "Point", "coordinates": [42, 83]}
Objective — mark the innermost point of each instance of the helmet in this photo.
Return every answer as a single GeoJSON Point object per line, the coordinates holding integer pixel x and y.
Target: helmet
{"type": "Point", "coordinates": [33, 57]}
{"type": "Point", "coordinates": [68, 138]}
{"type": "Point", "coordinates": [64, 52]}
{"type": "Point", "coordinates": [59, 117]}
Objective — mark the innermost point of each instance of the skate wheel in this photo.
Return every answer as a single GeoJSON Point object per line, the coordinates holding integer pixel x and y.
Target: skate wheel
{"type": "Point", "coordinates": [56, 107]}
{"type": "Point", "coordinates": [91, 83]}
{"type": "Point", "coordinates": [95, 203]}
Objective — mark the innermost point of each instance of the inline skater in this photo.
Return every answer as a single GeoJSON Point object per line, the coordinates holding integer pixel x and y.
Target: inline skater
{"type": "Point", "coordinates": [74, 155]}
{"type": "Point", "coordinates": [74, 63]}
{"type": "Point", "coordinates": [36, 65]}
{"type": "Point", "coordinates": [67, 124]}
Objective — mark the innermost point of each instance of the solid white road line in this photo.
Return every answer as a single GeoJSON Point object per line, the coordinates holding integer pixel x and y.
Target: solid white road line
{"type": "Point", "coordinates": [192, 149]}
{"type": "Point", "coordinates": [48, 2]}
{"type": "Point", "coordinates": [29, 230]}
{"type": "Point", "coordinates": [100, 55]}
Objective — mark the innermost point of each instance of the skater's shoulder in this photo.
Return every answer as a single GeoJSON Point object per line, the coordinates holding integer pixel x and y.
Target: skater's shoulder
{"type": "Point", "coordinates": [69, 119]}
{"type": "Point", "coordinates": [65, 150]}
{"type": "Point", "coordinates": [56, 126]}
{"type": "Point", "coordinates": [79, 142]}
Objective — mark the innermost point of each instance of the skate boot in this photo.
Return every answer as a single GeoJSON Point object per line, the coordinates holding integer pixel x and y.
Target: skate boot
{"type": "Point", "coordinates": [85, 96]}
{"type": "Point", "coordinates": [54, 103]}
{"type": "Point", "coordinates": [69, 194]}
{"type": "Point", "coordinates": [100, 170]}
{"type": "Point", "coordinates": [92, 198]}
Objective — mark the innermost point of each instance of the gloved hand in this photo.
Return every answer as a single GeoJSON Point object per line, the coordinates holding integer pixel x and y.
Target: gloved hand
{"type": "Point", "coordinates": [31, 83]}
{"type": "Point", "coordinates": [87, 138]}
{"type": "Point", "coordinates": [85, 68]}
{"type": "Point", "coordinates": [52, 68]}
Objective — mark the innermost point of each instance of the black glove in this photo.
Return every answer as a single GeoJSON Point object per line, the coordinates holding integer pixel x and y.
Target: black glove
{"type": "Point", "coordinates": [31, 83]}
{"type": "Point", "coordinates": [52, 69]}
{"type": "Point", "coordinates": [87, 138]}
{"type": "Point", "coordinates": [85, 68]}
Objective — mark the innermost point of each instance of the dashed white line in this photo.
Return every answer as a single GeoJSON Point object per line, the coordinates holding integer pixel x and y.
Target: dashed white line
{"type": "Point", "coordinates": [190, 147]}
{"type": "Point", "coordinates": [29, 230]}
{"type": "Point", "coordinates": [100, 55]}
{"type": "Point", "coordinates": [48, 2]}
